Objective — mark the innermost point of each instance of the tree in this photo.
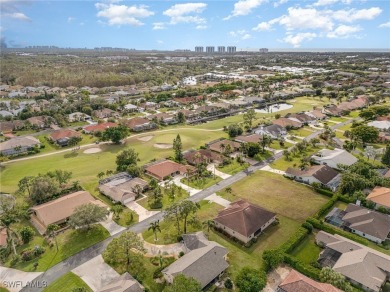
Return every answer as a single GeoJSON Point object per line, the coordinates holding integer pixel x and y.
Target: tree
{"type": "Point", "coordinates": [126, 158]}
{"type": "Point", "coordinates": [265, 140]}
{"type": "Point", "coordinates": [234, 130]}
{"type": "Point", "coordinates": [330, 276]}
{"type": "Point", "coordinates": [249, 116]}
{"type": "Point", "coordinates": [116, 134]}
{"type": "Point", "coordinates": [386, 157]}
{"type": "Point", "coordinates": [7, 218]}
{"type": "Point", "coordinates": [137, 189]}
{"type": "Point", "coordinates": [120, 251]}
{"type": "Point", "coordinates": [155, 227]}
{"type": "Point", "coordinates": [187, 208]}
{"type": "Point", "coordinates": [181, 118]}
{"type": "Point", "coordinates": [87, 214]}
{"type": "Point", "coordinates": [251, 280]}
{"type": "Point", "coordinates": [51, 232]}
{"type": "Point", "coordinates": [314, 142]}
{"type": "Point", "coordinates": [100, 175]}
{"type": "Point", "coordinates": [43, 187]}
{"type": "Point", "coordinates": [116, 210]}
{"type": "Point", "coordinates": [25, 185]}
{"type": "Point", "coordinates": [156, 198]}
{"type": "Point", "coordinates": [287, 155]}
{"type": "Point", "coordinates": [74, 141]}
{"type": "Point", "coordinates": [181, 283]}
{"type": "Point", "coordinates": [62, 176]}
{"type": "Point", "coordinates": [366, 134]}
{"type": "Point", "coordinates": [26, 233]}
{"type": "Point", "coordinates": [172, 213]}
{"type": "Point", "coordinates": [272, 258]}
{"type": "Point", "coordinates": [209, 224]}
{"type": "Point", "coordinates": [177, 147]}
{"type": "Point", "coordinates": [252, 149]}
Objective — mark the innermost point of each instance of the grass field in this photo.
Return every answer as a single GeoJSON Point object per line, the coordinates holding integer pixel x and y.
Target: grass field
{"type": "Point", "coordinates": [66, 283]}
{"type": "Point", "coordinates": [202, 183]}
{"type": "Point", "coordinates": [304, 132]}
{"type": "Point", "coordinates": [85, 167]}
{"type": "Point", "coordinates": [70, 242]}
{"type": "Point", "coordinates": [283, 164]}
{"type": "Point", "coordinates": [165, 200]}
{"type": "Point", "coordinates": [233, 167]}
{"type": "Point", "coordinates": [126, 218]}
{"type": "Point", "coordinates": [307, 251]}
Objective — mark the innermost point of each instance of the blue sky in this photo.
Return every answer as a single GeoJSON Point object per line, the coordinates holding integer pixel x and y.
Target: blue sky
{"type": "Point", "coordinates": [183, 25]}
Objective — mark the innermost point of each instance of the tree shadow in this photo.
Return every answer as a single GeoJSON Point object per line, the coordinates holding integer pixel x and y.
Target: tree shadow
{"type": "Point", "coordinates": [71, 154]}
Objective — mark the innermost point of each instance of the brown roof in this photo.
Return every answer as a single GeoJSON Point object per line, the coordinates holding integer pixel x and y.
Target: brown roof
{"type": "Point", "coordinates": [253, 138]}
{"type": "Point", "coordinates": [63, 207]}
{"type": "Point", "coordinates": [386, 118]}
{"type": "Point", "coordinates": [64, 133]}
{"type": "Point", "coordinates": [380, 195]}
{"type": "Point", "coordinates": [296, 282]}
{"type": "Point", "coordinates": [284, 122]}
{"type": "Point", "coordinates": [122, 189]}
{"type": "Point", "coordinates": [204, 155]}
{"type": "Point", "coordinates": [318, 114]}
{"type": "Point", "coordinates": [322, 172]}
{"type": "Point", "coordinates": [131, 123]}
{"type": "Point", "coordinates": [244, 217]}
{"type": "Point", "coordinates": [3, 237]}
{"type": "Point", "coordinates": [216, 146]}
{"type": "Point", "coordinates": [99, 127]}
{"type": "Point", "coordinates": [167, 167]}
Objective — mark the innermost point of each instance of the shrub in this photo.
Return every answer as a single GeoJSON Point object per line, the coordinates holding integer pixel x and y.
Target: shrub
{"type": "Point", "coordinates": [38, 250]}
{"type": "Point", "coordinates": [228, 284]}
{"type": "Point", "coordinates": [26, 233]}
{"type": "Point", "coordinates": [15, 259]}
{"type": "Point", "coordinates": [294, 240]}
{"type": "Point", "coordinates": [27, 255]}
{"type": "Point", "coordinates": [325, 208]}
{"type": "Point", "coordinates": [305, 269]}
{"type": "Point", "coordinates": [308, 226]}
{"type": "Point", "coordinates": [181, 254]}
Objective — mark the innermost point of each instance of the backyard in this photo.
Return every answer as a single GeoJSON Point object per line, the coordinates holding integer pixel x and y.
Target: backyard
{"type": "Point", "coordinates": [307, 251]}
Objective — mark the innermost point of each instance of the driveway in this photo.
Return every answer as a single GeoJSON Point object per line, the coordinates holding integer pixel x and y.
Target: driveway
{"type": "Point", "coordinates": [211, 167]}
{"type": "Point", "coordinates": [218, 199]}
{"type": "Point", "coordinates": [273, 170]}
{"type": "Point", "coordinates": [96, 273]}
{"type": "Point", "coordinates": [141, 211]}
{"type": "Point", "coordinates": [169, 249]}
{"type": "Point", "coordinates": [111, 226]}
{"type": "Point", "coordinates": [17, 279]}
{"type": "Point", "coordinates": [191, 191]}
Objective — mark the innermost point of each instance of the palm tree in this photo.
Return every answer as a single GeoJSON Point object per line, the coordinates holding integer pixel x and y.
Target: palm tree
{"type": "Point", "coordinates": [222, 148]}
{"type": "Point", "coordinates": [209, 224]}
{"type": "Point", "coordinates": [8, 218]}
{"type": "Point", "coordinates": [116, 209]}
{"type": "Point", "coordinates": [51, 232]}
{"type": "Point", "coordinates": [155, 226]}
{"type": "Point", "coordinates": [137, 190]}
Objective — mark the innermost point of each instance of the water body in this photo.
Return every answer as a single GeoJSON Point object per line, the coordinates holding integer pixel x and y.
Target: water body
{"type": "Point", "coordinates": [274, 108]}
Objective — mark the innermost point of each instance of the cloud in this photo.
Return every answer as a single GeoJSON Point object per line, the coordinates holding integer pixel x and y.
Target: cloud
{"type": "Point", "coordinates": [244, 7]}
{"type": "Point", "coordinates": [158, 25]}
{"type": "Point", "coordinates": [71, 19]}
{"type": "Point", "coordinates": [201, 26]}
{"type": "Point", "coordinates": [354, 15]}
{"type": "Point", "coordinates": [262, 26]}
{"type": "Point", "coordinates": [122, 14]}
{"type": "Point", "coordinates": [186, 13]}
{"type": "Point", "coordinates": [280, 2]}
{"type": "Point", "coordinates": [331, 2]}
{"type": "Point", "coordinates": [298, 38]}
{"type": "Point", "coordinates": [18, 16]}
{"type": "Point", "coordinates": [383, 25]}
{"type": "Point", "coordinates": [240, 34]}
{"type": "Point", "coordinates": [160, 42]}
{"type": "Point", "coordinates": [344, 31]}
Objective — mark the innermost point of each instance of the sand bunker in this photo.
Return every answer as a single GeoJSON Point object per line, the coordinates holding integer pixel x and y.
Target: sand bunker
{"type": "Point", "coordinates": [92, 150]}
{"type": "Point", "coordinates": [163, 145]}
{"type": "Point", "coordinates": [145, 138]}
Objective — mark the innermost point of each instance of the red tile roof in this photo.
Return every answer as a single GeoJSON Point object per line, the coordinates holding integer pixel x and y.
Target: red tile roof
{"type": "Point", "coordinates": [64, 133]}
{"type": "Point", "coordinates": [296, 282]}
{"type": "Point", "coordinates": [99, 127]}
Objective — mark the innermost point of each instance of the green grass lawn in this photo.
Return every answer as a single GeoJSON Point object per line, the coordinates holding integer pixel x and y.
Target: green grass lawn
{"type": "Point", "coordinates": [233, 167]}
{"type": "Point", "coordinates": [85, 167]}
{"type": "Point", "coordinates": [169, 234]}
{"type": "Point", "coordinates": [70, 242]}
{"type": "Point", "coordinates": [278, 194]}
{"type": "Point", "coordinates": [24, 132]}
{"type": "Point", "coordinates": [339, 119]}
{"type": "Point", "coordinates": [201, 183]}
{"type": "Point", "coordinates": [165, 200]}
{"type": "Point", "coordinates": [307, 251]}
{"type": "Point", "coordinates": [66, 283]}
{"type": "Point", "coordinates": [304, 132]}
{"type": "Point", "coordinates": [276, 145]}
{"type": "Point", "coordinates": [283, 164]}
{"type": "Point", "coordinates": [126, 218]}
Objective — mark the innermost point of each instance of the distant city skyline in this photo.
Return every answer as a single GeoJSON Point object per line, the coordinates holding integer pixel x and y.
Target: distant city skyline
{"type": "Point", "coordinates": [168, 25]}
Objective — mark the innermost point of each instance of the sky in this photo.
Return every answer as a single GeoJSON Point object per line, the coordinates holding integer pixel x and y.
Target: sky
{"type": "Point", "coordinates": [170, 25]}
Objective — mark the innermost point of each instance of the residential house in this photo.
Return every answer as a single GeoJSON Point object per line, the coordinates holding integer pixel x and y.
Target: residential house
{"type": "Point", "coordinates": [321, 174]}
{"type": "Point", "coordinates": [380, 196]}
{"type": "Point", "coordinates": [59, 210]}
{"type": "Point", "coordinates": [130, 108]}
{"type": "Point", "coordinates": [4, 114]}
{"type": "Point", "coordinates": [359, 264]}
{"type": "Point", "coordinates": [78, 117]}
{"type": "Point", "coordinates": [18, 145]}
{"type": "Point", "coordinates": [124, 283]}
{"type": "Point", "coordinates": [62, 136]}
{"type": "Point", "coordinates": [251, 138]}
{"type": "Point", "coordinates": [164, 118]}
{"type": "Point", "coordinates": [167, 168]}
{"type": "Point", "coordinates": [317, 114]}
{"type": "Point", "coordinates": [287, 123]}
{"type": "Point", "coordinates": [105, 113]}
{"type": "Point", "coordinates": [275, 131]}
{"type": "Point", "coordinates": [190, 115]}
{"type": "Point", "coordinates": [206, 156]}
{"type": "Point", "coordinates": [10, 126]}
{"type": "Point", "coordinates": [121, 187]}
{"type": "Point", "coordinates": [221, 145]}
{"type": "Point", "coordinates": [138, 124]}
{"type": "Point", "coordinates": [205, 261]}
{"type": "Point", "coordinates": [99, 127]}
{"type": "Point", "coordinates": [244, 221]}
{"type": "Point", "coordinates": [302, 118]}
{"type": "Point", "coordinates": [189, 100]}
{"type": "Point", "coordinates": [334, 157]}
{"type": "Point", "coordinates": [41, 122]}
{"type": "Point", "coordinates": [380, 125]}
{"type": "Point", "coordinates": [297, 282]}
{"type": "Point", "coordinates": [364, 222]}
{"type": "Point", "coordinates": [332, 110]}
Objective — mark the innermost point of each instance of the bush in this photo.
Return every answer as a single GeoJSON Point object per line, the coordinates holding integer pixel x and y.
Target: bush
{"type": "Point", "coordinates": [26, 233]}
{"type": "Point", "coordinates": [27, 255]}
{"type": "Point", "coordinates": [38, 250]}
{"type": "Point", "coordinates": [181, 254]}
{"type": "Point", "coordinates": [305, 269]}
{"type": "Point", "coordinates": [324, 192]}
{"type": "Point", "coordinates": [156, 205]}
{"type": "Point", "coordinates": [308, 226]}
{"type": "Point", "coordinates": [325, 208]}
{"type": "Point", "coordinates": [228, 284]}
{"type": "Point", "coordinates": [157, 273]}
{"type": "Point", "coordinates": [15, 259]}
{"type": "Point", "coordinates": [294, 240]}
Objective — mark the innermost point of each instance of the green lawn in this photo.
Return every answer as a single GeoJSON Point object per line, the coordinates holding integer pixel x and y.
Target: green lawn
{"type": "Point", "coordinates": [338, 119]}
{"type": "Point", "coordinates": [201, 183]}
{"type": "Point", "coordinates": [278, 194]}
{"type": "Point", "coordinates": [126, 218]}
{"type": "Point", "coordinates": [70, 242]}
{"type": "Point", "coordinates": [169, 234]}
{"type": "Point", "coordinates": [233, 167]}
{"type": "Point", "coordinates": [66, 283]}
{"type": "Point", "coordinates": [301, 132]}
{"type": "Point", "coordinates": [85, 167]}
{"type": "Point", "coordinates": [275, 145]}
{"type": "Point", "coordinates": [307, 251]}
{"type": "Point", "coordinates": [283, 164]}
{"type": "Point", "coordinates": [165, 200]}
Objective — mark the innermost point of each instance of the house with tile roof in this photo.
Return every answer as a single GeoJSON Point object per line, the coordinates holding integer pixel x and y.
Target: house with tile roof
{"type": "Point", "coordinates": [243, 220]}
{"type": "Point", "coordinates": [123, 283]}
{"type": "Point", "coordinates": [99, 127]}
{"type": "Point", "coordinates": [18, 145]}
{"type": "Point", "coordinates": [380, 196]}
{"type": "Point", "coordinates": [62, 136]}
{"type": "Point", "coordinates": [164, 169]}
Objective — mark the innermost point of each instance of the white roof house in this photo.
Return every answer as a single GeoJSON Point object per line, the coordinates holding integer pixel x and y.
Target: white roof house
{"type": "Point", "coordinates": [334, 157]}
{"type": "Point", "coordinates": [381, 125]}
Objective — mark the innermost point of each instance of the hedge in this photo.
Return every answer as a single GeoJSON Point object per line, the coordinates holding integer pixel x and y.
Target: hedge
{"type": "Point", "coordinates": [325, 208]}
{"type": "Point", "coordinates": [324, 192]}
{"type": "Point", "coordinates": [346, 199]}
{"type": "Point", "coordinates": [294, 240]}
{"type": "Point", "coordinates": [305, 269]}
{"type": "Point", "coordinates": [334, 230]}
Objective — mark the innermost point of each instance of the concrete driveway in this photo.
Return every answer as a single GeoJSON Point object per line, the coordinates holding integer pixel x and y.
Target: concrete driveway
{"type": "Point", "coordinates": [15, 280]}
{"type": "Point", "coordinates": [111, 226]}
{"type": "Point", "coordinates": [191, 191]}
{"type": "Point", "coordinates": [141, 211]}
{"type": "Point", "coordinates": [168, 249]}
{"type": "Point", "coordinates": [218, 199]}
{"type": "Point", "coordinates": [214, 170]}
{"type": "Point", "coordinates": [273, 170]}
{"type": "Point", "coordinates": [96, 273]}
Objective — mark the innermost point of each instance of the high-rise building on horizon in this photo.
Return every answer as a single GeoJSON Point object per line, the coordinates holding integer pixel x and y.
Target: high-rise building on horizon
{"type": "Point", "coordinates": [231, 50]}
{"type": "Point", "coordinates": [210, 50]}
{"type": "Point", "coordinates": [263, 50]}
{"type": "Point", "coordinates": [221, 49]}
{"type": "Point", "coordinates": [199, 49]}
